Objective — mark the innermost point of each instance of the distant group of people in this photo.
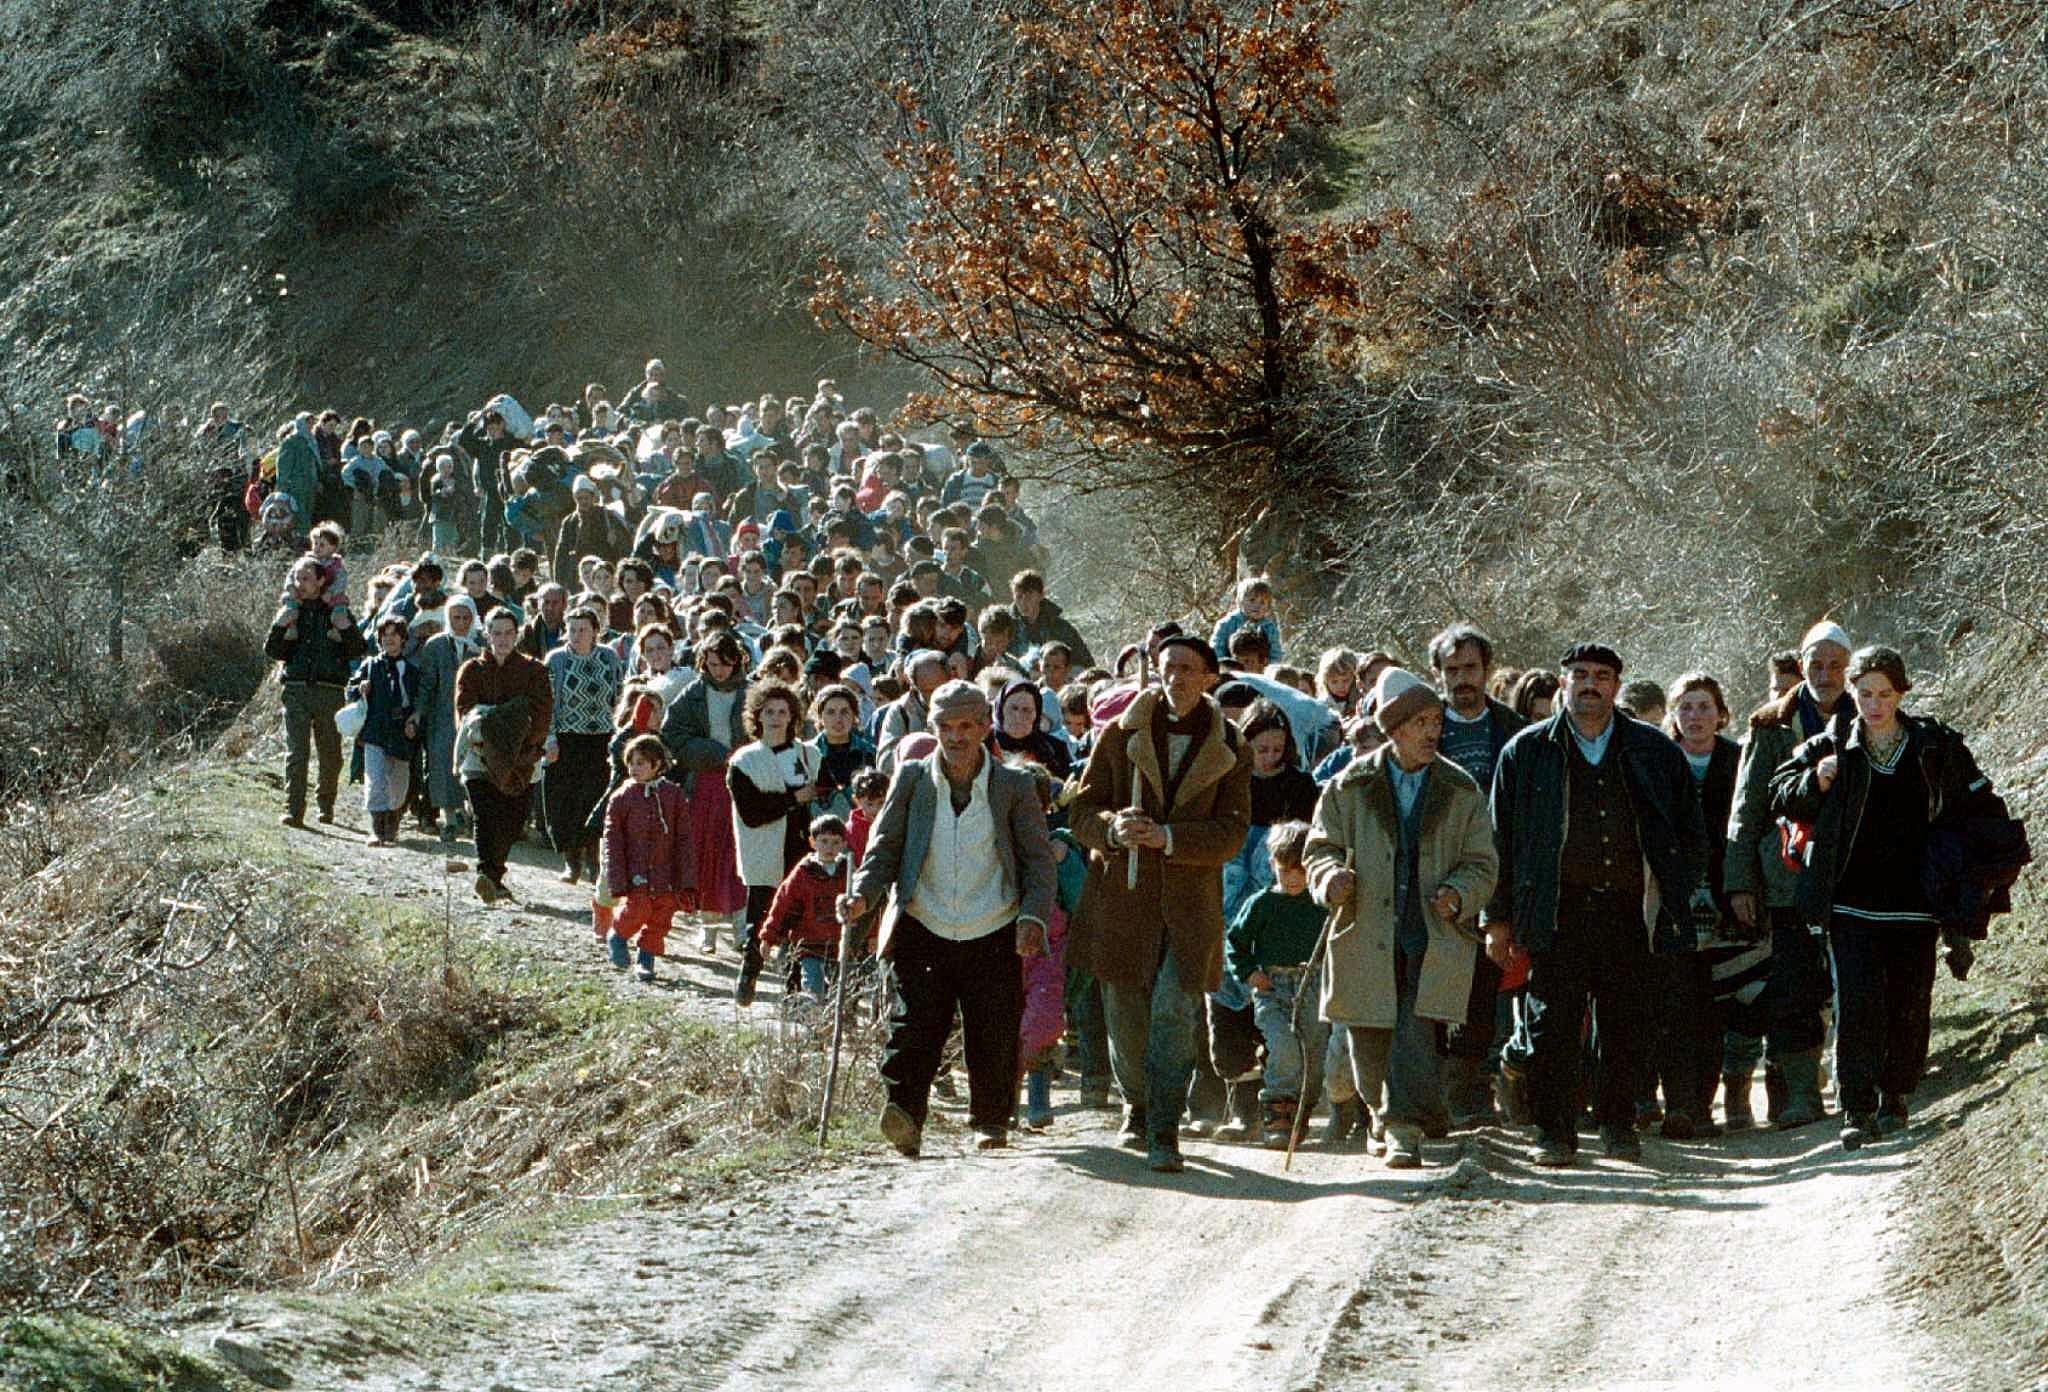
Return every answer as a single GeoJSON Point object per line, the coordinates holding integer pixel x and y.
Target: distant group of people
{"type": "Point", "coordinates": [798, 677]}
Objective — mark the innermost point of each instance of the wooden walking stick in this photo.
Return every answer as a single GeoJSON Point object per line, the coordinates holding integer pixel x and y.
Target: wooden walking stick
{"type": "Point", "coordinates": [1308, 978]}
{"type": "Point", "coordinates": [846, 933]}
{"type": "Point", "coordinates": [1131, 863]}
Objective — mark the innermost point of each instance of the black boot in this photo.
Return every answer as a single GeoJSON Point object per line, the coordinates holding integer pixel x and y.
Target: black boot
{"type": "Point", "coordinates": [750, 972]}
{"type": "Point", "coordinates": [1891, 1114]}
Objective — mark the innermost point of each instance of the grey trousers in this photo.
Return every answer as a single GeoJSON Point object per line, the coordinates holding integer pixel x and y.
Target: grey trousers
{"type": "Point", "coordinates": [1396, 1070]}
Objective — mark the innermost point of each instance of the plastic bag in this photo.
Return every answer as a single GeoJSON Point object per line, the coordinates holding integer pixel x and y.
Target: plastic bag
{"type": "Point", "coordinates": [351, 718]}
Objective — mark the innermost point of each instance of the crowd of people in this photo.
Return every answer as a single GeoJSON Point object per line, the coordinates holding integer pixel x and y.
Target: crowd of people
{"type": "Point", "coordinates": [779, 669]}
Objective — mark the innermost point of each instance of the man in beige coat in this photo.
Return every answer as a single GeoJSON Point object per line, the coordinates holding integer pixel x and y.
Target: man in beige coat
{"type": "Point", "coordinates": [1402, 850]}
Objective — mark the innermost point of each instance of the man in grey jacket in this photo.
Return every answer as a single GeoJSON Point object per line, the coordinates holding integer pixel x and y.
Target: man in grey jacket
{"type": "Point", "coordinates": [963, 846]}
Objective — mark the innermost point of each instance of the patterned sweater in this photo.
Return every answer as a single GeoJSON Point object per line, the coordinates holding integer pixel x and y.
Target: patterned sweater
{"type": "Point", "coordinates": [586, 689]}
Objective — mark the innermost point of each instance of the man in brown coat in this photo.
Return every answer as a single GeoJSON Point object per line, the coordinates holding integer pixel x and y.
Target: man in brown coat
{"type": "Point", "coordinates": [1164, 804]}
{"type": "Point", "coordinates": [498, 772]}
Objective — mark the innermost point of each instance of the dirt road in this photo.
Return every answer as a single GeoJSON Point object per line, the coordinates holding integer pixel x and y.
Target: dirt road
{"type": "Point", "coordinates": [1064, 1263]}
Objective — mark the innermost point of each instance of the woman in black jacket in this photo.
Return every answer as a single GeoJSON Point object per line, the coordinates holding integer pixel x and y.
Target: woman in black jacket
{"type": "Point", "coordinates": [1869, 790]}
{"type": "Point", "coordinates": [1696, 1012]}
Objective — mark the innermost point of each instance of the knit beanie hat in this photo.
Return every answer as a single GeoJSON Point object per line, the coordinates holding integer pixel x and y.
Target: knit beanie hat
{"type": "Point", "coordinates": [1400, 696]}
{"type": "Point", "coordinates": [1826, 631]}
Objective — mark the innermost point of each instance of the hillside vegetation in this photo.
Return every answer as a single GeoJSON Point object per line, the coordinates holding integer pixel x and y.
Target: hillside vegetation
{"type": "Point", "coordinates": [1691, 323]}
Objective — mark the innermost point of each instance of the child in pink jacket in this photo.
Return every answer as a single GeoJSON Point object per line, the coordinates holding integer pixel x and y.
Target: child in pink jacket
{"type": "Point", "coordinates": [647, 851]}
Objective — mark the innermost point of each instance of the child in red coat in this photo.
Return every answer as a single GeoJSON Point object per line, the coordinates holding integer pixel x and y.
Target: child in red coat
{"type": "Point", "coordinates": [647, 850]}
{"type": "Point", "coordinates": [870, 791]}
{"type": "Point", "coordinates": [805, 909]}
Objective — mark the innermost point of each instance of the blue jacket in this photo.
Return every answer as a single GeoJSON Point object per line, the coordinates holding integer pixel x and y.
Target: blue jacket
{"type": "Point", "coordinates": [1233, 621]}
{"type": "Point", "coordinates": [1529, 829]}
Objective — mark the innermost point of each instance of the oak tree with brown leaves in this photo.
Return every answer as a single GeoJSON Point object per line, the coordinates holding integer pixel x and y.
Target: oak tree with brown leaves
{"type": "Point", "coordinates": [1121, 271]}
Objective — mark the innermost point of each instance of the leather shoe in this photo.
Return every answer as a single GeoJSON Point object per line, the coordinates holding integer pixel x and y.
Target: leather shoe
{"type": "Point", "coordinates": [900, 1130]}
{"type": "Point", "coordinates": [1164, 1157]}
{"type": "Point", "coordinates": [1621, 1143]}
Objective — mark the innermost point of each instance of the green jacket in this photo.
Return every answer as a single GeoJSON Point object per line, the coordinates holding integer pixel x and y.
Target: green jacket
{"type": "Point", "coordinates": [1752, 864]}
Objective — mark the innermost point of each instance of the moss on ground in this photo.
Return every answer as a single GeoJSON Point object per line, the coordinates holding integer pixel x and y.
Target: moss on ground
{"type": "Point", "coordinates": [76, 1353]}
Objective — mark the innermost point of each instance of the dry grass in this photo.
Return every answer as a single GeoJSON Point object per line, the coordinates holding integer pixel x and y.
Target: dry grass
{"type": "Point", "coordinates": [221, 1072]}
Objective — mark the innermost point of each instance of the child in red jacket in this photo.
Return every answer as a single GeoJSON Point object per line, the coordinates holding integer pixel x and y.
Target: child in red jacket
{"type": "Point", "coordinates": [870, 791]}
{"type": "Point", "coordinates": [805, 909]}
{"type": "Point", "coordinates": [647, 851]}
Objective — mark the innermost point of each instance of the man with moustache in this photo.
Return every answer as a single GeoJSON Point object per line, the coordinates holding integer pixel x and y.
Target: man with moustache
{"type": "Point", "coordinates": [1476, 729]}
{"type": "Point", "coordinates": [1401, 846]}
{"type": "Point", "coordinates": [962, 854]}
{"type": "Point", "coordinates": [1601, 842]}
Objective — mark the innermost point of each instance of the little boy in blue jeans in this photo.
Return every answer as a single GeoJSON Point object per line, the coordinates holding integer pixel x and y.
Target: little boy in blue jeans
{"type": "Point", "coordinates": [1268, 948]}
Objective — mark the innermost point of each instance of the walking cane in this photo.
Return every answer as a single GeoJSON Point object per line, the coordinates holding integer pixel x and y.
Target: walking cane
{"type": "Point", "coordinates": [846, 932]}
{"type": "Point", "coordinates": [1315, 961]}
{"type": "Point", "coordinates": [1131, 863]}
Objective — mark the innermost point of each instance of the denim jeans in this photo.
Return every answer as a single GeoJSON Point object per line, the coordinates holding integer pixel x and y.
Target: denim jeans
{"type": "Point", "coordinates": [1091, 1032]}
{"type": "Point", "coordinates": [1152, 1045]}
{"type": "Point", "coordinates": [814, 974]}
{"type": "Point", "coordinates": [1274, 1010]}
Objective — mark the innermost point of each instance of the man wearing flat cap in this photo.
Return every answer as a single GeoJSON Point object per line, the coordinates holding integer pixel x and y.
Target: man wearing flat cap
{"type": "Point", "coordinates": [1601, 842]}
{"type": "Point", "coordinates": [962, 851]}
{"type": "Point", "coordinates": [1164, 804]}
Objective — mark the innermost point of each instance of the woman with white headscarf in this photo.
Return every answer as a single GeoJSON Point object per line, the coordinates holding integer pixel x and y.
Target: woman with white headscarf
{"type": "Point", "coordinates": [439, 657]}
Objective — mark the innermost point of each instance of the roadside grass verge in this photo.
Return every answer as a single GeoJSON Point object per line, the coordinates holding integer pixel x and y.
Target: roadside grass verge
{"type": "Point", "coordinates": [225, 1068]}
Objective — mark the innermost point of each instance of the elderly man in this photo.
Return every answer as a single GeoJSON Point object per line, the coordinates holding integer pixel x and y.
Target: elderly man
{"type": "Point", "coordinates": [1601, 842]}
{"type": "Point", "coordinates": [1761, 889]}
{"type": "Point", "coordinates": [315, 645]}
{"type": "Point", "coordinates": [548, 629]}
{"type": "Point", "coordinates": [1403, 847]}
{"type": "Point", "coordinates": [962, 848]}
{"type": "Point", "coordinates": [906, 715]}
{"type": "Point", "coordinates": [1164, 804]}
